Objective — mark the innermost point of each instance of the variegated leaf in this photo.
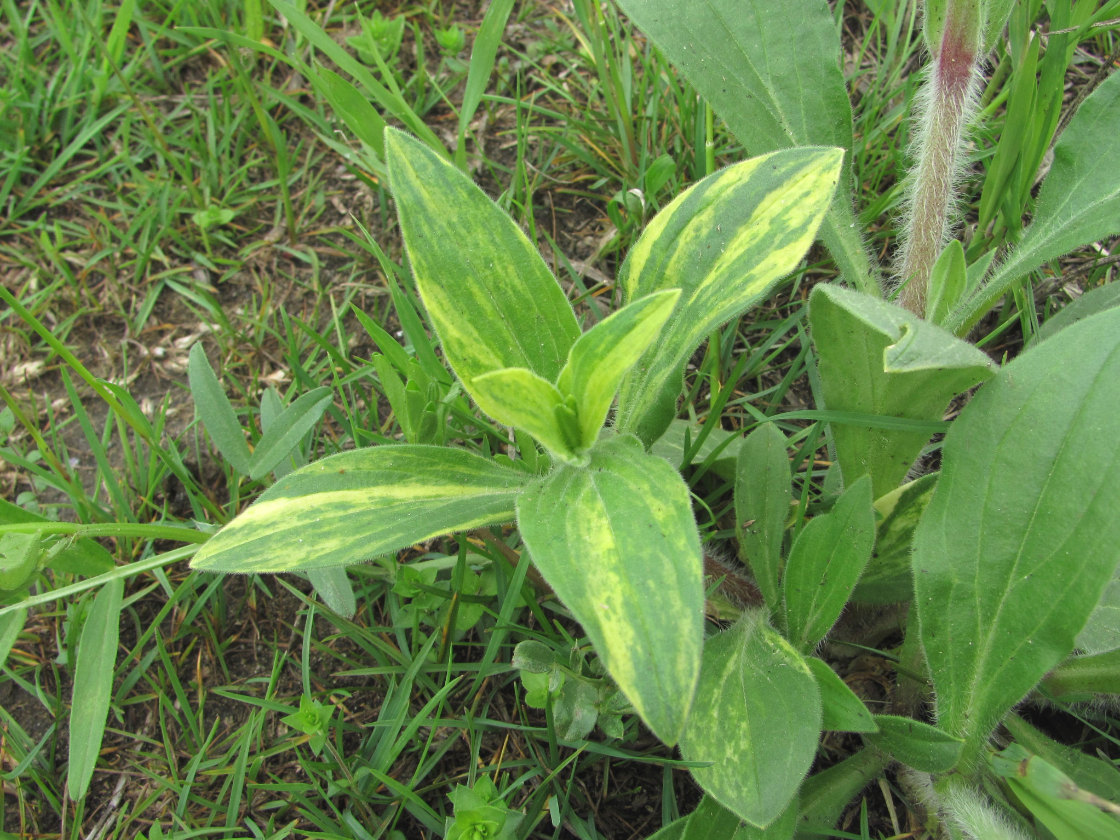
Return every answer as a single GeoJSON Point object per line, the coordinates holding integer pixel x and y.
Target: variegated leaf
{"type": "Point", "coordinates": [490, 297]}
{"type": "Point", "coordinates": [520, 398]}
{"type": "Point", "coordinates": [725, 242]}
{"type": "Point", "coordinates": [618, 543]}
{"type": "Point", "coordinates": [756, 720]}
{"type": "Point", "coordinates": [357, 505]}
{"type": "Point", "coordinates": [602, 356]}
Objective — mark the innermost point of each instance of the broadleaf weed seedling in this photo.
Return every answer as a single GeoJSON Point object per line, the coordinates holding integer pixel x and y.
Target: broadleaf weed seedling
{"type": "Point", "coordinates": [997, 570]}
{"type": "Point", "coordinates": [516, 347]}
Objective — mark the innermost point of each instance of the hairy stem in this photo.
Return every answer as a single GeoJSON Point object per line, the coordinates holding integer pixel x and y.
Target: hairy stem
{"type": "Point", "coordinates": [946, 102]}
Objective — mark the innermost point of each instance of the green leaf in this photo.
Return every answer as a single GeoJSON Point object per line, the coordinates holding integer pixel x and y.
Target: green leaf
{"type": "Point", "coordinates": [83, 556]}
{"type": "Point", "coordinates": [602, 356]}
{"type": "Point", "coordinates": [284, 432]}
{"type": "Point", "coordinates": [842, 710]}
{"type": "Point", "coordinates": [825, 563]}
{"type": "Point", "coordinates": [356, 505]}
{"type": "Point", "coordinates": [1090, 772]}
{"type": "Point", "coordinates": [671, 446]}
{"type": "Point", "coordinates": [10, 626]}
{"type": "Point", "coordinates": [825, 795]}
{"type": "Point", "coordinates": [777, 83]}
{"type": "Point", "coordinates": [1053, 799]}
{"type": "Point", "coordinates": [19, 559]}
{"type": "Point", "coordinates": [618, 543]}
{"type": "Point", "coordinates": [762, 499]}
{"type": "Point", "coordinates": [1079, 201]}
{"type": "Point", "coordinates": [915, 744]}
{"type": "Point", "coordinates": [483, 53]}
{"type": "Point", "coordinates": [333, 586]}
{"type": "Point", "coordinates": [888, 577]}
{"type": "Point", "coordinates": [1021, 537]}
{"type": "Point", "coordinates": [725, 242]}
{"type": "Point", "coordinates": [947, 282]}
{"type": "Point", "coordinates": [1102, 631]}
{"type": "Point", "coordinates": [1093, 301]}
{"type": "Point", "coordinates": [491, 299]}
{"type": "Point", "coordinates": [354, 108]}
{"type": "Point", "coordinates": [877, 358]}
{"type": "Point", "coordinates": [213, 407]}
{"type": "Point", "coordinates": [1085, 677]}
{"type": "Point", "coordinates": [756, 718]}
{"type": "Point", "coordinates": [518, 397]}
{"type": "Point", "coordinates": [93, 685]}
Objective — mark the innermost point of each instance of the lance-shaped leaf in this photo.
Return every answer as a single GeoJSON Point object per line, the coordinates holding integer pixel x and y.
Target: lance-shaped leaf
{"type": "Point", "coordinates": [1021, 537]}
{"type": "Point", "coordinates": [775, 84]}
{"type": "Point", "coordinates": [357, 505]}
{"type": "Point", "coordinates": [842, 710]}
{"type": "Point", "coordinates": [602, 356]}
{"type": "Point", "coordinates": [756, 718]}
{"type": "Point", "coordinates": [888, 578]}
{"type": "Point", "coordinates": [725, 242]}
{"type": "Point", "coordinates": [491, 299]}
{"type": "Point", "coordinates": [762, 497]}
{"type": "Point", "coordinates": [877, 358]}
{"type": "Point", "coordinates": [824, 564]}
{"type": "Point", "coordinates": [1079, 201]}
{"type": "Point", "coordinates": [618, 543]}
{"type": "Point", "coordinates": [916, 744]}
{"type": "Point", "coordinates": [518, 397]}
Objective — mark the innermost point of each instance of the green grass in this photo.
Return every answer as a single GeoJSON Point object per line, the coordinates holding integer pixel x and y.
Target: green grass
{"type": "Point", "coordinates": [162, 184]}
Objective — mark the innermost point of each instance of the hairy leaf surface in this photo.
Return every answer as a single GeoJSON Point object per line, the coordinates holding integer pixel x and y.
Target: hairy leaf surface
{"type": "Point", "coordinates": [1021, 537]}
{"type": "Point", "coordinates": [877, 358]}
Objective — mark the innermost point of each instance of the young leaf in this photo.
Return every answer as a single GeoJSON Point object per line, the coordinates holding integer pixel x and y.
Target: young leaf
{"type": "Point", "coordinates": [762, 497]}
{"type": "Point", "coordinates": [824, 564]}
{"type": "Point", "coordinates": [354, 108]}
{"type": "Point", "coordinates": [947, 282]}
{"type": "Point", "coordinates": [756, 718]}
{"type": "Point", "coordinates": [287, 430]}
{"type": "Point", "coordinates": [1053, 799]}
{"type": "Point", "coordinates": [915, 744]}
{"type": "Point", "coordinates": [355, 505]}
{"type": "Point", "coordinates": [842, 710]}
{"type": "Point", "coordinates": [602, 356]}
{"type": "Point", "coordinates": [725, 242]}
{"type": "Point", "coordinates": [888, 578]}
{"type": "Point", "coordinates": [1079, 201]}
{"type": "Point", "coordinates": [876, 358]}
{"type": "Point", "coordinates": [520, 398]}
{"type": "Point", "coordinates": [1021, 537]}
{"type": "Point", "coordinates": [792, 71]}
{"type": "Point", "coordinates": [618, 543]}
{"type": "Point", "coordinates": [491, 299]}
{"type": "Point", "coordinates": [213, 407]}
{"type": "Point", "coordinates": [93, 685]}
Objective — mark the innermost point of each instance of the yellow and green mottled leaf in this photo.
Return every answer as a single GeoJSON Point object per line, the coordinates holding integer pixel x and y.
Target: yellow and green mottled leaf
{"type": "Point", "coordinates": [725, 242]}
{"type": "Point", "coordinates": [490, 297]}
{"type": "Point", "coordinates": [756, 720]}
{"type": "Point", "coordinates": [602, 356]}
{"type": "Point", "coordinates": [357, 505]}
{"type": "Point", "coordinates": [618, 543]}
{"type": "Point", "coordinates": [520, 398]}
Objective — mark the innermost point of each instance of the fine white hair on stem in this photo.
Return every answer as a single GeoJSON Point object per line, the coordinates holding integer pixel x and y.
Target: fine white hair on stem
{"type": "Point", "coordinates": [945, 104]}
{"type": "Point", "coordinates": [963, 804]}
